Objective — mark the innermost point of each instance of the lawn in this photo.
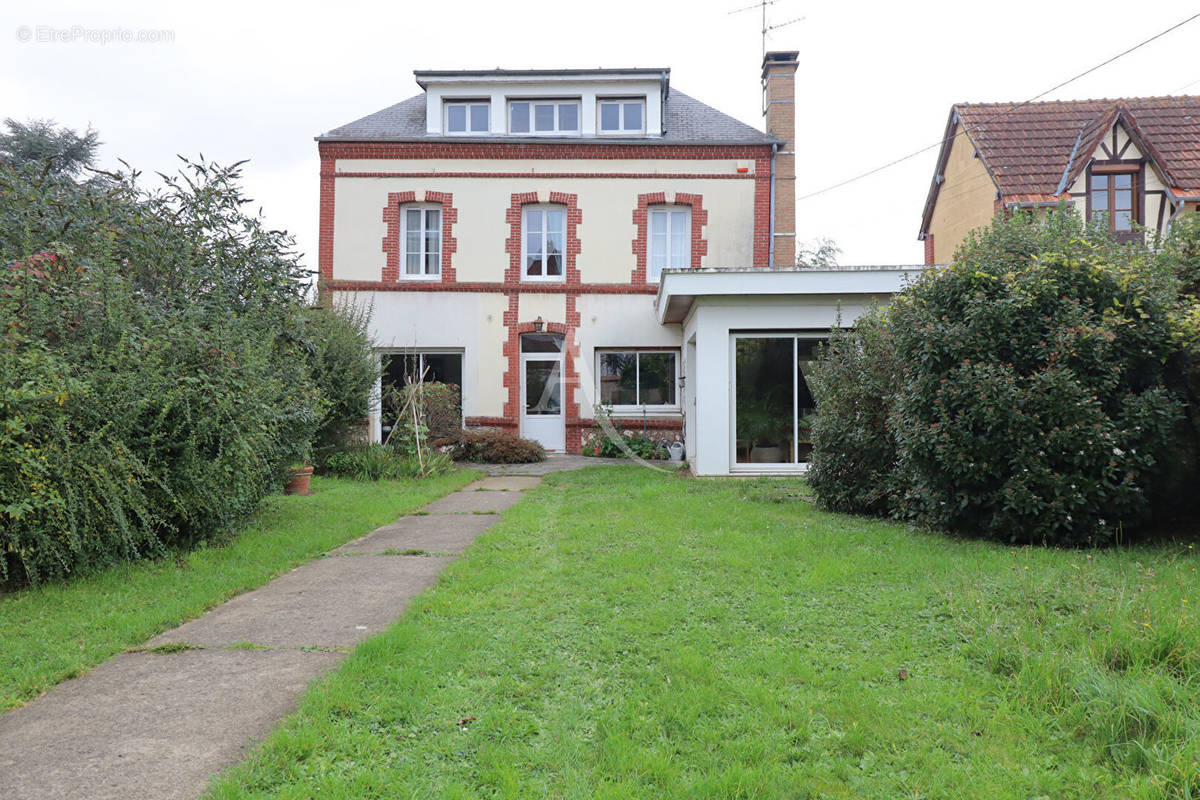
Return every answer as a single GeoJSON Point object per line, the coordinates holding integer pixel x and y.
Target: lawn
{"type": "Point", "coordinates": [627, 634]}
{"type": "Point", "coordinates": [56, 632]}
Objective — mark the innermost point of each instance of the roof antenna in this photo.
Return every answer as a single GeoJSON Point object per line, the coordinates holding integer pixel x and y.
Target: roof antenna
{"type": "Point", "coordinates": [762, 4]}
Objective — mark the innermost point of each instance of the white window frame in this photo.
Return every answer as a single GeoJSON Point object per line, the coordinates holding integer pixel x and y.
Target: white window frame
{"type": "Point", "coordinates": [673, 213]}
{"type": "Point", "coordinates": [468, 105]}
{"type": "Point", "coordinates": [638, 408]}
{"type": "Point", "coordinates": [557, 102]}
{"type": "Point", "coordinates": [620, 103]}
{"type": "Point", "coordinates": [423, 275]}
{"type": "Point", "coordinates": [543, 207]}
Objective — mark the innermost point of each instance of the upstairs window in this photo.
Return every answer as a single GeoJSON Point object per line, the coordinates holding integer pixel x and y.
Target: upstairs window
{"type": "Point", "coordinates": [467, 117]}
{"type": "Point", "coordinates": [544, 229]}
{"type": "Point", "coordinates": [421, 233]}
{"type": "Point", "coordinates": [544, 117]}
{"type": "Point", "coordinates": [1113, 196]}
{"type": "Point", "coordinates": [622, 116]}
{"type": "Point", "coordinates": [670, 240]}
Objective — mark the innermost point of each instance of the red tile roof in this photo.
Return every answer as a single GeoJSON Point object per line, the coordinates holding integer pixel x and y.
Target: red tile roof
{"type": "Point", "coordinates": [1034, 151]}
{"type": "Point", "coordinates": [1028, 148]}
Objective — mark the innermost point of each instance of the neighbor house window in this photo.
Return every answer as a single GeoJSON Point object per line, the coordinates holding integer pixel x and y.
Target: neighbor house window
{"type": "Point", "coordinates": [544, 116]}
{"type": "Point", "coordinates": [1113, 200]}
{"type": "Point", "coordinates": [421, 233]}
{"type": "Point", "coordinates": [622, 116]}
{"type": "Point", "coordinates": [465, 118]}
{"type": "Point", "coordinates": [544, 231]}
{"type": "Point", "coordinates": [637, 378]}
{"type": "Point", "coordinates": [670, 240]}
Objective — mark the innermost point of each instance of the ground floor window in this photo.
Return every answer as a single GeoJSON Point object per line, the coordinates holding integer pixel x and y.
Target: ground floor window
{"type": "Point", "coordinates": [772, 403]}
{"type": "Point", "coordinates": [398, 368]}
{"type": "Point", "coordinates": [628, 379]}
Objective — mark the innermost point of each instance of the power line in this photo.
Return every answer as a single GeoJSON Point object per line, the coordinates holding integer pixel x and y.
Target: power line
{"type": "Point", "coordinates": [1009, 110]}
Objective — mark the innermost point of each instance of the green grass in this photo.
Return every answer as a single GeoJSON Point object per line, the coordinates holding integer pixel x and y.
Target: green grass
{"type": "Point", "coordinates": [624, 634]}
{"type": "Point", "coordinates": [56, 632]}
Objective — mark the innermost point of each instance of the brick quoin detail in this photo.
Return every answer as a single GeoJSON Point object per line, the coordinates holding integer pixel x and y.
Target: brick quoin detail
{"type": "Point", "coordinates": [929, 249]}
{"type": "Point", "coordinates": [762, 213]}
{"type": "Point", "coordinates": [641, 245]}
{"type": "Point", "coordinates": [391, 240]}
{"type": "Point", "coordinates": [325, 231]}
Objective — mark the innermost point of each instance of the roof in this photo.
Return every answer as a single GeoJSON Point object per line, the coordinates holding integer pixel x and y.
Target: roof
{"type": "Point", "coordinates": [685, 119]}
{"type": "Point", "coordinates": [1034, 151]}
{"type": "Point", "coordinates": [678, 289]}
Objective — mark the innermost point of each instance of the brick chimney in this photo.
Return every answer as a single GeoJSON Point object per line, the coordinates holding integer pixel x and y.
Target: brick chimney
{"type": "Point", "coordinates": [779, 108]}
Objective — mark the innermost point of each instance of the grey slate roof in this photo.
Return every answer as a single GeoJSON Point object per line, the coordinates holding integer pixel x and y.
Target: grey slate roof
{"type": "Point", "coordinates": [688, 121]}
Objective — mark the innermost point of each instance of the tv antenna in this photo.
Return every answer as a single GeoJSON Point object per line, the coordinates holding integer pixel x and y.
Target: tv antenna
{"type": "Point", "coordinates": [762, 5]}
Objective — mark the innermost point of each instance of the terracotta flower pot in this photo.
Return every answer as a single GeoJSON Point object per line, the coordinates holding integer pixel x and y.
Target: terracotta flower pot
{"type": "Point", "coordinates": [299, 481]}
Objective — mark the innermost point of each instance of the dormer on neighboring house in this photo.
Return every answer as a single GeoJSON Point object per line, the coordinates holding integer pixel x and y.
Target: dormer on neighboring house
{"type": "Point", "coordinates": [1129, 164]}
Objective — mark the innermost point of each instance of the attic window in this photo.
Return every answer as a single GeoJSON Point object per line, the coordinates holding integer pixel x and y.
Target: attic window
{"type": "Point", "coordinates": [544, 117]}
{"type": "Point", "coordinates": [622, 116]}
{"type": "Point", "coordinates": [467, 118]}
{"type": "Point", "coordinates": [1113, 199]}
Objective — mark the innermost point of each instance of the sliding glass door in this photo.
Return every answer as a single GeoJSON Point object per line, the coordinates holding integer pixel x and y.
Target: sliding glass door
{"type": "Point", "coordinates": [772, 405]}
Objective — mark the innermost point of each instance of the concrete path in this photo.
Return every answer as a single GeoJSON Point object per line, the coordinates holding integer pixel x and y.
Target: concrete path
{"type": "Point", "coordinates": [161, 722]}
{"type": "Point", "coordinates": [560, 462]}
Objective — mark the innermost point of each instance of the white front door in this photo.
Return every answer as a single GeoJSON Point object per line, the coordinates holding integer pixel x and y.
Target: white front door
{"type": "Point", "coordinates": [542, 400]}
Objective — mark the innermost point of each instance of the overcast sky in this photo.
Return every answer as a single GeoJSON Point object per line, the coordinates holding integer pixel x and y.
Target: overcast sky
{"type": "Point", "coordinates": [234, 80]}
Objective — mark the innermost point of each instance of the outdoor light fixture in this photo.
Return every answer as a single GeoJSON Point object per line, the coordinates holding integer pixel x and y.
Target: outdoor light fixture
{"type": "Point", "coordinates": [539, 324]}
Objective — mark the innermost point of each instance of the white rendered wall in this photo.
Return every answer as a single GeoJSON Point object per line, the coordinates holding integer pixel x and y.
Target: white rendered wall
{"type": "Point", "coordinates": [711, 321]}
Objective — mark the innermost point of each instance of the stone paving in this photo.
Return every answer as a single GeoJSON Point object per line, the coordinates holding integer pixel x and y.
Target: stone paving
{"type": "Point", "coordinates": [559, 462]}
{"type": "Point", "coordinates": [160, 722]}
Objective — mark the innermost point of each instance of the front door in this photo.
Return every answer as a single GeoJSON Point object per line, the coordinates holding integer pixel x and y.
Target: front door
{"type": "Point", "coordinates": [542, 416]}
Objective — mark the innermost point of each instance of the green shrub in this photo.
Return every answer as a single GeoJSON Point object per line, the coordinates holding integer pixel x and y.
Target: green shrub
{"type": "Point", "coordinates": [342, 364]}
{"type": "Point", "coordinates": [494, 446]}
{"type": "Point", "coordinates": [439, 406]}
{"type": "Point", "coordinates": [373, 462]}
{"type": "Point", "coordinates": [151, 388]}
{"type": "Point", "coordinates": [1035, 406]}
{"type": "Point", "coordinates": [854, 382]}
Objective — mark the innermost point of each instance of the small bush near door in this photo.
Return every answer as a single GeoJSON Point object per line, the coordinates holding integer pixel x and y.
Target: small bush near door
{"type": "Point", "coordinates": [496, 447]}
{"type": "Point", "coordinates": [373, 462]}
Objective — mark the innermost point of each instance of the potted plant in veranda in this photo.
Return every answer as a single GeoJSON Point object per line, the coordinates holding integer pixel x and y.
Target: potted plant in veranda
{"type": "Point", "coordinates": [768, 427]}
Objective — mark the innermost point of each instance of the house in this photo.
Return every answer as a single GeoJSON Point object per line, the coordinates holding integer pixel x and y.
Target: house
{"type": "Point", "coordinates": [1128, 163]}
{"type": "Point", "coordinates": [556, 240]}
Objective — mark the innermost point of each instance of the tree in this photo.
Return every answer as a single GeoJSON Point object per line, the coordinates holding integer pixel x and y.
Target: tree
{"type": "Point", "coordinates": [43, 145]}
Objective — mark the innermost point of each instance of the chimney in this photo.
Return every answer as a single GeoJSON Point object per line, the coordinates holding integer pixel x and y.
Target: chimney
{"type": "Point", "coordinates": [779, 108]}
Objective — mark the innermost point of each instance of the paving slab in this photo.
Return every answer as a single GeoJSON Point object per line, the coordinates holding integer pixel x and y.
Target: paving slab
{"type": "Point", "coordinates": [468, 501]}
{"type": "Point", "coordinates": [510, 483]}
{"type": "Point", "coordinates": [330, 602]}
{"type": "Point", "coordinates": [150, 726]}
{"type": "Point", "coordinates": [435, 533]}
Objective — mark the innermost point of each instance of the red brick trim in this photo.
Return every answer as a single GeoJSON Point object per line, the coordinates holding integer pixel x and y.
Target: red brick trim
{"type": "Point", "coordinates": [641, 244]}
{"type": "Point", "coordinates": [325, 228]}
{"type": "Point", "coordinates": [512, 375]}
{"type": "Point", "coordinates": [493, 287]}
{"type": "Point", "coordinates": [762, 213]}
{"type": "Point", "coordinates": [632, 424]}
{"type": "Point", "coordinates": [549, 149]}
{"type": "Point", "coordinates": [929, 250]}
{"type": "Point", "coordinates": [512, 245]}
{"type": "Point", "coordinates": [491, 422]}
{"type": "Point", "coordinates": [391, 240]}
{"type": "Point", "coordinates": [572, 175]}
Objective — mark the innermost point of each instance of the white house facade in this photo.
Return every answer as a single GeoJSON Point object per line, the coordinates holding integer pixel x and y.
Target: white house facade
{"type": "Point", "coordinates": [516, 233]}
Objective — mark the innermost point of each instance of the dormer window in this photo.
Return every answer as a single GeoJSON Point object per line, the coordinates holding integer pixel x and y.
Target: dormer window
{"type": "Point", "coordinates": [465, 118]}
{"type": "Point", "coordinates": [1113, 198]}
{"type": "Point", "coordinates": [544, 117]}
{"type": "Point", "coordinates": [622, 116]}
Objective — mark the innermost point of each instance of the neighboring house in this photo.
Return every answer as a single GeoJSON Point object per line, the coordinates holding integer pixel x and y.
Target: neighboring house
{"type": "Point", "coordinates": [556, 240]}
{"type": "Point", "coordinates": [1128, 163]}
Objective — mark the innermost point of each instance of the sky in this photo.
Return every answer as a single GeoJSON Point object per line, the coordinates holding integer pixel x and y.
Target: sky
{"type": "Point", "coordinates": [242, 80]}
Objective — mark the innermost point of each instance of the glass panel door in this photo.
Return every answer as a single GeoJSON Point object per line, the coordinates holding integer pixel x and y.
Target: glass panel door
{"type": "Point", "coordinates": [765, 400]}
{"type": "Point", "coordinates": [543, 388]}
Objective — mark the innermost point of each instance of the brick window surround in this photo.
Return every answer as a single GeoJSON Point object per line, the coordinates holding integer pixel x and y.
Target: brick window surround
{"type": "Point", "coordinates": [641, 244]}
{"type": "Point", "coordinates": [514, 215]}
{"type": "Point", "coordinates": [391, 240]}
